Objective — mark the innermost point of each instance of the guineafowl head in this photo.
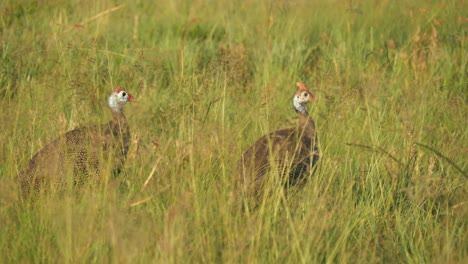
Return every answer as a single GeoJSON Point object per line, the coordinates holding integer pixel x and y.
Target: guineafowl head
{"type": "Point", "coordinates": [302, 97]}
{"type": "Point", "coordinates": [118, 99]}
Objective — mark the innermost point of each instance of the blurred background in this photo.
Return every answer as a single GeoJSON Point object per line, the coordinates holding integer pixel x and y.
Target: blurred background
{"type": "Point", "coordinates": [209, 78]}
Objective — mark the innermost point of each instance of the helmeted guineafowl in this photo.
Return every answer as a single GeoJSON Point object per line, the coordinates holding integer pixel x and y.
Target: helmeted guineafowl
{"type": "Point", "coordinates": [294, 151]}
{"type": "Point", "coordinates": [82, 153]}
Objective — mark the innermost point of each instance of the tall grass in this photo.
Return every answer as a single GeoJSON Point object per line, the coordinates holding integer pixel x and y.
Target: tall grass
{"type": "Point", "coordinates": [210, 78]}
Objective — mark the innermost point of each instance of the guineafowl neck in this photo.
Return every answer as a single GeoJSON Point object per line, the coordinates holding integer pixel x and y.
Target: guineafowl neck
{"type": "Point", "coordinates": [306, 123]}
{"type": "Point", "coordinates": [118, 123]}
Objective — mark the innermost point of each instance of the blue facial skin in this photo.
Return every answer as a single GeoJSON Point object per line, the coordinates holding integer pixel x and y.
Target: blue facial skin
{"type": "Point", "coordinates": [117, 100]}
{"type": "Point", "coordinates": [300, 100]}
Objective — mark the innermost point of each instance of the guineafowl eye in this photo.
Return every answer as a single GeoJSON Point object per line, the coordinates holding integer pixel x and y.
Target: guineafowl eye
{"type": "Point", "coordinates": [124, 94]}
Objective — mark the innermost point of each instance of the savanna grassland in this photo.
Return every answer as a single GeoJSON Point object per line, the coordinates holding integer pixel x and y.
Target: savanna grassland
{"type": "Point", "coordinates": [210, 77]}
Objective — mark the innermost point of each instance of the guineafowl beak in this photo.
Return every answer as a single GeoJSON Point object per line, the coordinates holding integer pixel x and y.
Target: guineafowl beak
{"type": "Point", "coordinates": [130, 97]}
{"type": "Point", "coordinates": [312, 98]}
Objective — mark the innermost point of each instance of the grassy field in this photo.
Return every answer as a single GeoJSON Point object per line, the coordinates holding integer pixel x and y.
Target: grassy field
{"type": "Point", "coordinates": [210, 77]}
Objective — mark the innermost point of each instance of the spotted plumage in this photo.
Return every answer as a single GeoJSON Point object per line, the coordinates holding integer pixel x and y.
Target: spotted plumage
{"type": "Point", "coordinates": [294, 152]}
{"type": "Point", "coordinates": [82, 153]}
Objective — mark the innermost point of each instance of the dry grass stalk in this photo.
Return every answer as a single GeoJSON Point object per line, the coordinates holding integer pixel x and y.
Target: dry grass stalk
{"type": "Point", "coordinates": [149, 197]}
{"type": "Point", "coordinates": [103, 13]}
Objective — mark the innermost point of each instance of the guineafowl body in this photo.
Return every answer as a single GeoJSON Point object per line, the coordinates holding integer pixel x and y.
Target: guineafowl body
{"type": "Point", "coordinates": [293, 151]}
{"type": "Point", "coordinates": [83, 153]}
